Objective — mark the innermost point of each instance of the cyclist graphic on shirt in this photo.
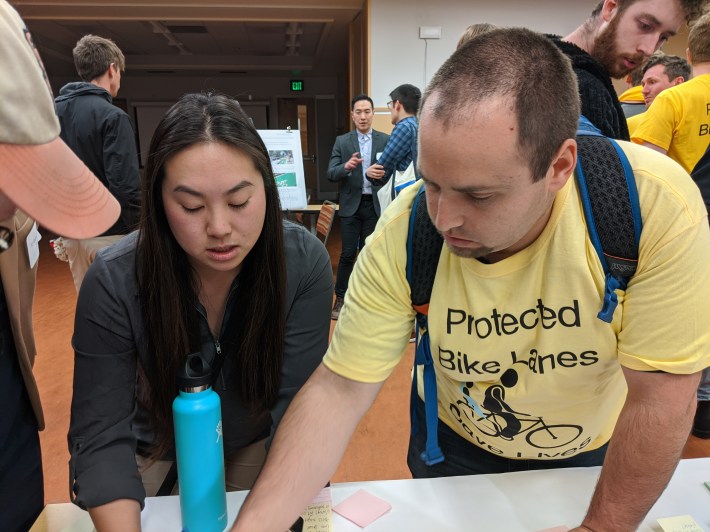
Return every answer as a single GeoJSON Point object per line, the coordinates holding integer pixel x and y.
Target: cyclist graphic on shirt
{"type": "Point", "coordinates": [496, 418]}
{"type": "Point", "coordinates": [494, 401]}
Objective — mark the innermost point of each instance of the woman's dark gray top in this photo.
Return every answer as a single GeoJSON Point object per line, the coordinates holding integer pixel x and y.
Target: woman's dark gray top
{"type": "Point", "coordinates": [108, 426]}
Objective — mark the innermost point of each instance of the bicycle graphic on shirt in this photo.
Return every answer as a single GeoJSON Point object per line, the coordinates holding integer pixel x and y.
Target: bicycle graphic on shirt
{"type": "Point", "coordinates": [496, 418]}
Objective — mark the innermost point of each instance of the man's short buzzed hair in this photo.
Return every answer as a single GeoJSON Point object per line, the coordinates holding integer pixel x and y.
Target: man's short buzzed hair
{"type": "Point", "coordinates": [526, 69]}
{"type": "Point", "coordinates": [699, 40]}
{"type": "Point", "coordinates": [93, 55]}
{"type": "Point", "coordinates": [692, 9]}
{"type": "Point", "coordinates": [675, 66]}
{"type": "Point", "coordinates": [409, 96]}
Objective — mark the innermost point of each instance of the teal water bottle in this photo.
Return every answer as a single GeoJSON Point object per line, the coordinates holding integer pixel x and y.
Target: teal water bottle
{"type": "Point", "coordinates": [199, 448]}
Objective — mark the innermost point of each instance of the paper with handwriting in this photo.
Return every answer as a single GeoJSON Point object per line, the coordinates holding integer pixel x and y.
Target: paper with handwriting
{"type": "Point", "coordinates": [318, 516]}
{"type": "Point", "coordinates": [679, 523]}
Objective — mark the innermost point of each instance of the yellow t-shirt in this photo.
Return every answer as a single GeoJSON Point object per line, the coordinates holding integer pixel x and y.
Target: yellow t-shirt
{"type": "Point", "coordinates": [632, 95]}
{"type": "Point", "coordinates": [633, 122]}
{"type": "Point", "coordinates": [524, 367]}
{"type": "Point", "coordinates": [679, 121]}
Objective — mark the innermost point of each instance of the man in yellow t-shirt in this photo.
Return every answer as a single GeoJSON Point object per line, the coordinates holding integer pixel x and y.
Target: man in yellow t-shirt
{"type": "Point", "coordinates": [661, 72]}
{"type": "Point", "coordinates": [678, 122]}
{"type": "Point", "coordinates": [527, 376]}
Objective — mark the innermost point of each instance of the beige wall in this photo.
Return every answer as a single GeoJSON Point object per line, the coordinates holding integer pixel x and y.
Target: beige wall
{"type": "Point", "coordinates": [382, 121]}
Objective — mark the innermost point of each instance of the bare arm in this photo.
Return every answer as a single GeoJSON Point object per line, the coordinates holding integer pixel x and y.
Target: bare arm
{"type": "Point", "coordinates": [307, 448]}
{"type": "Point", "coordinates": [644, 450]}
{"type": "Point", "coordinates": [123, 515]}
{"type": "Point", "coordinates": [121, 168]}
{"type": "Point", "coordinates": [654, 147]}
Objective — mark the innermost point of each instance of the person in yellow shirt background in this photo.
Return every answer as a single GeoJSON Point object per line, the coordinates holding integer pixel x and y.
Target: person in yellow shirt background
{"type": "Point", "coordinates": [678, 123]}
{"type": "Point", "coordinates": [632, 98]}
{"type": "Point", "coordinates": [662, 72]}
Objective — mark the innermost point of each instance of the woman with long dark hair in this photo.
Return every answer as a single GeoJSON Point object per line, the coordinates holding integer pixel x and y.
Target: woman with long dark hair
{"type": "Point", "coordinates": [213, 268]}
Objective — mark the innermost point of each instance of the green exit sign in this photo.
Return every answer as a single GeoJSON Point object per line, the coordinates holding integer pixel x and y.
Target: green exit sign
{"type": "Point", "coordinates": [296, 85]}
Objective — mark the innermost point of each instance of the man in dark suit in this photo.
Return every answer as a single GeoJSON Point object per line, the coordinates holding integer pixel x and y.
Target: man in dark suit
{"type": "Point", "coordinates": [42, 180]}
{"type": "Point", "coordinates": [359, 209]}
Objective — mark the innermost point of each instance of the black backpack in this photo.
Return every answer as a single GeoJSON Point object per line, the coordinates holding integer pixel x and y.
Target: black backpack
{"type": "Point", "coordinates": [607, 188]}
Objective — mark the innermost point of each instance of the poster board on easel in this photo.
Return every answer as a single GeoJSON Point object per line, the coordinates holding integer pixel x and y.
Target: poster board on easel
{"type": "Point", "coordinates": [284, 147]}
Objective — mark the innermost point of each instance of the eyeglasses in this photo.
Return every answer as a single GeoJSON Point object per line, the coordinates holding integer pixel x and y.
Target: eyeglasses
{"type": "Point", "coordinates": [389, 104]}
{"type": "Point", "coordinates": [6, 238]}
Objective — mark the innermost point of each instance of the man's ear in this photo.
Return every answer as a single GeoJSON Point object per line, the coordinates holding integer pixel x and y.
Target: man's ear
{"type": "Point", "coordinates": [609, 10]}
{"type": "Point", "coordinates": [112, 70]}
{"type": "Point", "coordinates": [563, 165]}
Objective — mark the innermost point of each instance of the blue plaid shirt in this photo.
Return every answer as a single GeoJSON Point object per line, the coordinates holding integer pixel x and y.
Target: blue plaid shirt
{"type": "Point", "coordinates": [401, 148]}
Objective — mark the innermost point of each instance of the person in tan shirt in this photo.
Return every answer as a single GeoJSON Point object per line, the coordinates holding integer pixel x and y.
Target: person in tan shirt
{"type": "Point", "coordinates": [39, 181]}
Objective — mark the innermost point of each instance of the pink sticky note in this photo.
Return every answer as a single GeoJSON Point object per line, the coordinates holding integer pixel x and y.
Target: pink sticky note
{"type": "Point", "coordinates": [362, 508]}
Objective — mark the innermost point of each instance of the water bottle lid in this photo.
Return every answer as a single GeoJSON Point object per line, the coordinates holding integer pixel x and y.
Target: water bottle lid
{"type": "Point", "coordinates": [196, 373]}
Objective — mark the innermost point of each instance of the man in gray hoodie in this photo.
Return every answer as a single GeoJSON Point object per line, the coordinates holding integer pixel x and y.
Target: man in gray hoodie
{"type": "Point", "coordinates": [102, 136]}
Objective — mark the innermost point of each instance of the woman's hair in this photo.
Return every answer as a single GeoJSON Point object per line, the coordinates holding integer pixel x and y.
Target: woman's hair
{"type": "Point", "coordinates": [168, 288]}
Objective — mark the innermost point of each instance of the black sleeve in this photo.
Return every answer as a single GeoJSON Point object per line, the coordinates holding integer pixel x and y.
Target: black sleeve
{"type": "Point", "coordinates": [701, 176]}
{"type": "Point", "coordinates": [307, 318]}
{"type": "Point", "coordinates": [336, 165]}
{"type": "Point", "coordinates": [121, 167]}
{"type": "Point", "coordinates": [599, 106]}
{"type": "Point", "coordinates": [102, 446]}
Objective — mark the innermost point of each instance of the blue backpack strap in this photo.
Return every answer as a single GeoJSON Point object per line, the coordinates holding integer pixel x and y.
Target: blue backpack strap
{"type": "Point", "coordinates": [585, 127]}
{"type": "Point", "coordinates": [423, 251]}
{"type": "Point", "coordinates": [607, 188]}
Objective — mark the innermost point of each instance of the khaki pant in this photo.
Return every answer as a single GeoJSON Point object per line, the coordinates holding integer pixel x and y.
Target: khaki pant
{"type": "Point", "coordinates": [81, 253]}
{"type": "Point", "coordinates": [240, 469]}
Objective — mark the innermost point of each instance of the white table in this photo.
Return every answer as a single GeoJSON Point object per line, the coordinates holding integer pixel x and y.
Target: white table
{"type": "Point", "coordinates": [510, 502]}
